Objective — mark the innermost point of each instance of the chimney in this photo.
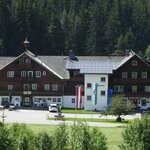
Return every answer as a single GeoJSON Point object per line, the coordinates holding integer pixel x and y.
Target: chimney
{"type": "Point", "coordinates": [127, 52]}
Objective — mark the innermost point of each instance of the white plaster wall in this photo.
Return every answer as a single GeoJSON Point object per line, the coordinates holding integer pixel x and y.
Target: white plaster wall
{"type": "Point", "coordinates": [16, 100]}
{"type": "Point", "coordinates": [47, 99]}
{"type": "Point", "coordinates": [67, 101]}
{"type": "Point", "coordinates": [101, 100]}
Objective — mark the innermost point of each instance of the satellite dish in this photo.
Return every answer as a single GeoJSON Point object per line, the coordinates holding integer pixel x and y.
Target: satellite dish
{"type": "Point", "coordinates": [72, 56]}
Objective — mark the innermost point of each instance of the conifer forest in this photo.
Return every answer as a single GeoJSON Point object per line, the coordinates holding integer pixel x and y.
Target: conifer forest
{"type": "Point", "coordinates": [89, 27]}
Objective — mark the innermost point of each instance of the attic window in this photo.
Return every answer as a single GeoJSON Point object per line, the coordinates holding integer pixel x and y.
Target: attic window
{"type": "Point", "coordinates": [134, 63]}
{"type": "Point", "coordinates": [28, 61]}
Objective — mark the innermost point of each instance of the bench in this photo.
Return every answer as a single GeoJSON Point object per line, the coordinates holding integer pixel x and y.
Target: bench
{"type": "Point", "coordinates": [59, 117]}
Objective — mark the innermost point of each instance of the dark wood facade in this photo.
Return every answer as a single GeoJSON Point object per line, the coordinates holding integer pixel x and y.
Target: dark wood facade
{"type": "Point", "coordinates": [131, 78]}
{"type": "Point", "coordinates": [75, 79]}
{"type": "Point", "coordinates": [26, 77]}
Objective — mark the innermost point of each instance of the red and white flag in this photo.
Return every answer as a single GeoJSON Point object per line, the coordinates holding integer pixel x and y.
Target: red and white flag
{"type": "Point", "coordinates": [78, 97]}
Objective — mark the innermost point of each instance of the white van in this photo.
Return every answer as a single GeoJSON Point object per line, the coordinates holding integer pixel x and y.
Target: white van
{"type": "Point", "coordinates": [53, 108]}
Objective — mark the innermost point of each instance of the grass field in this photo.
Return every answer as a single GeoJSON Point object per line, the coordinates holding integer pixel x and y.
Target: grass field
{"type": "Point", "coordinates": [79, 111]}
{"type": "Point", "coordinates": [95, 120]}
{"type": "Point", "coordinates": [113, 134]}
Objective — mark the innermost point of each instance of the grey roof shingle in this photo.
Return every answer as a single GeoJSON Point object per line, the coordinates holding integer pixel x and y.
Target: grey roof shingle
{"type": "Point", "coordinates": [95, 64]}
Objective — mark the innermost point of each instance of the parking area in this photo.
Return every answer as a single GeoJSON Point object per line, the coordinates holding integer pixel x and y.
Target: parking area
{"type": "Point", "coordinates": [40, 117]}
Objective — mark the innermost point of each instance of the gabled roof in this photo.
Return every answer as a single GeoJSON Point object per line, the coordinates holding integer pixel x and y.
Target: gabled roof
{"type": "Point", "coordinates": [54, 64]}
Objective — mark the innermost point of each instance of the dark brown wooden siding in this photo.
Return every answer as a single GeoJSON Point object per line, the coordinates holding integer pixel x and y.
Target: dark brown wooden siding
{"type": "Point", "coordinates": [116, 78]}
{"type": "Point", "coordinates": [17, 81]}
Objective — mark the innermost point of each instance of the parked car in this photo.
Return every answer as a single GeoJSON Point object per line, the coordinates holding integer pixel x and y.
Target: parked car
{"type": "Point", "coordinates": [53, 108]}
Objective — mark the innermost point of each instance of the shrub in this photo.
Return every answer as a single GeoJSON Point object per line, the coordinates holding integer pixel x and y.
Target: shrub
{"type": "Point", "coordinates": [43, 141]}
{"type": "Point", "coordinates": [137, 135]}
{"type": "Point", "coordinates": [60, 137]}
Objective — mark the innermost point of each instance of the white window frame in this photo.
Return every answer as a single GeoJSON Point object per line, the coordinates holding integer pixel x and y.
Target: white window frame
{"type": "Point", "coordinates": [28, 61]}
{"type": "Point", "coordinates": [144, 75]}
{"type": "Point", "coordinates": [30, 72]}
{"type": "Point", "coordinates": [124, 75]}
{"type": "Point", "coordinates": [103, 94]}
{"type": "Point", "coordinates": [134, 63]}
{"type": "Point", "coordinates": [44, 73]}
{"type": "Point", "coordinates": [103, 79]}
{"type": "Point", "coordinates": [89, 97]}
{"type": "Point", "coordinates": [26, 87]}
{"type": "Point", "coordinates": [23, 74]}
{"type": "Point", "coordinates": [38, 74]}
{"type": "Point", "coordinates": [147, 88]}
{"type": "Point", "coordinates": [10, 87]}
{"type": "Point", "coordinates": [134, 75]}
{"type": "Point", "coordinates": [143, 100]}
{"type": "Point", "coordinates": [10, 74]}
{"type": "Point", "coordinates": [46, 87]}
{"type": "Point", "coordinates": [134, 88]}
{"type": "Point", "coordinates": [34, 87]}
{"type": "Point", "coordinates": [89, 87]}
{"type": "Point", "coordinates": [119, 88]}
{"type": "Point", "coordinates": [54, 87]}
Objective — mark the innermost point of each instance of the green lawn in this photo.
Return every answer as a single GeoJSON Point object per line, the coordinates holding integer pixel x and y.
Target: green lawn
{"type": "Point", "coordinates": [95, 120]}
{"type": "Point", "coordinates": [79, 111]}
{"type": "Point", "coordinates": [113, 134]}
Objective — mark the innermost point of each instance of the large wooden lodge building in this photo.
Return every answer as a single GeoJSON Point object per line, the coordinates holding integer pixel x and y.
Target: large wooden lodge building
{"type": "Point", "coordinates": [37, 81]}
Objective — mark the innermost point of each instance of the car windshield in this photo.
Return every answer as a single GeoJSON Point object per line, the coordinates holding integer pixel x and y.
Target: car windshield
{"type": "Point", "coordinates": [54, 106]}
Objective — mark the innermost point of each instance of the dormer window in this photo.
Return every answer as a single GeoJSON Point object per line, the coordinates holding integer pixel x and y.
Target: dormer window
{"type": "Point", "coordinates": [134, 63]}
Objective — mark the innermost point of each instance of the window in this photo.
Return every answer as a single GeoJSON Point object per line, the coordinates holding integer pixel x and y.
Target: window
{"type": "Point", "coordinates": [89, 97]}
{"type": "Point", "coordinates": [147, 88]}
{"type": "Point", "coordinates": [21, 61]}
{"type": "Point", "coordinates": [118, 88]}
{"type": "Point", "coordinates": [30, 74]}
{"type": "Point", "coordinates": [26, 87]}
{"type": "Point", "coordinates": [134, 75]}
{"type": "Point", "coordinates": [89, 85]}
{"type": "Point", "coordinates": [10, 74]}
{"type": "Point", "coordinates": [124, 74]}
{"type": "Point", "coordinates": [34, 87]}
{"type": "Point", "coordinates": [27, 61]}
{"type": "Point", "coordinates": [23, 73]}
{"type": "Point", "coordinates": [134, 63]}
{"type": "Point", "coordinates": [134, 88]}
{"type": "Point", "coordinates": [143, 102]}
{"type": "Point", "coordinates": [38, 73]}
{"type": "Point", "coordinates": [54, 87]}
{"type": "Point", "coordinates": [102, 79]}
{"type": "Point", "coordinates": [46, 87]}
{"type": "Point", "coordinates": [59, 100]}
{"type": "Point", "coordinates": [144, 74]}
{"type": "Point", "coordinates": [44, 73]}
{"type": "Point", "coordinates": [10, 87]}
{"type": "Point", "coordinates": [54, 100]}
{"type": "Point", "coordinates": [73, 100]}
{"type": "Point", "coordinates": [102, 93]}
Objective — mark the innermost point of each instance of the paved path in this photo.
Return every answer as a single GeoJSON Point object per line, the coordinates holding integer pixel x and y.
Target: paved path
{"type": "Point", "coordinates": [40, 117]}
